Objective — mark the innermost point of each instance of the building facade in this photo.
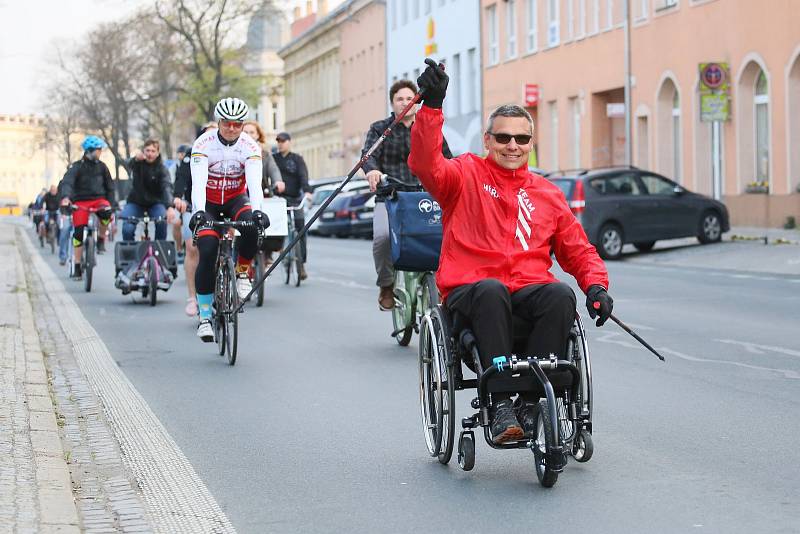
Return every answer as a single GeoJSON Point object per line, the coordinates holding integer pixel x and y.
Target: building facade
{"type": "Point", "coordinates": [565, 60]}
{"type": "Point", "coordinates": [27, 160]}
{"type": "Point", "coordinates": [363, 74]}
{"type": "Point", "coordinates": [313, 95]}
{"type": "Point", "coordinates": [448, 31]}
{"type": "Point", "coordinates": [267, 32]}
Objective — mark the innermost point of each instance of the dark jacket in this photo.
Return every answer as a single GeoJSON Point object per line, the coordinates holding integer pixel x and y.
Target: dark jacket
{"type": "Point", "coordinates": [51, 202]}
{"type": "Point", "coordinates": [151, 183]}
{"type": "Point", "coordinates": [88, 180]}
{"type": "Point", "coordinates": [392, 156]}
{"type": "Point", "coordinates": [294, 173]}
{"type": "Point", "coordinates": [183, 180]}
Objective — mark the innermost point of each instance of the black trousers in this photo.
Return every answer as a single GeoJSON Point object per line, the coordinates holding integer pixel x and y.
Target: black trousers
{"type": "Point", "coordinates": [489, 308]}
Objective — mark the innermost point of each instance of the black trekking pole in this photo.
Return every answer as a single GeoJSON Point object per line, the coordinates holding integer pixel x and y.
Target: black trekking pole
{"type": "Point", "coordinates": [636, 336]}
{"type": "Point", "coordinates": [328, 200]}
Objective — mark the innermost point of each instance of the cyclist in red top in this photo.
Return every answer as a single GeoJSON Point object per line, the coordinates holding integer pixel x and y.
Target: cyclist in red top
{"type": "Point", "coordinates": [501, 223]}
{"type": "Point", "coordinates": [88, 185]}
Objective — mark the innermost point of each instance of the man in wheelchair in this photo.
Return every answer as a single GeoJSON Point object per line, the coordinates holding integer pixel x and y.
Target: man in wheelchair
{"type": "Point", "coordinates": [501, 223]}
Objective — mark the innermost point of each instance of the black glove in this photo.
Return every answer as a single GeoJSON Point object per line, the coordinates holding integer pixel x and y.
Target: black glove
{"type": "Point", "coordinates": [261, 219]}
{"type": "Point", "coordinates": [599, 303]}
{"type": "Point", "coordinates": [433, 84]}
{"type": "Point", "coordinates": [198, 219]}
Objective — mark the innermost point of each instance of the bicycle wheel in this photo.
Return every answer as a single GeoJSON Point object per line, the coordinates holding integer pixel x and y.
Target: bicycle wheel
{"type": "Point", "coordinates": [288, 260]}
{"type": "Point", "coordinates": [402, 313]}
{"type": "Point", "coordinates": [220, 324]}
{"type": "Point", "coordinates": [231, 313]}
{"type": "Point", "coordinates": [430, 293]}
{"type": "Point", "coordinates": [88, 262]}
{"type": "Point", "coordinates": [152, 273]}
{"type": "Point", "coordinates": [259, 270]}
{"type": "Point", "coordinates": [295, 274]}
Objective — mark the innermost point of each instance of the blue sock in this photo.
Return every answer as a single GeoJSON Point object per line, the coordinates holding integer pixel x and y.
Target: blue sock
{"type": "Point", "coordinates": [204, 305]}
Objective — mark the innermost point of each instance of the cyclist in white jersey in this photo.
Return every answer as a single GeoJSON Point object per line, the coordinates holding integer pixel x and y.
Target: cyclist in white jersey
{"type": "Point", "coordinates": [226, 165]}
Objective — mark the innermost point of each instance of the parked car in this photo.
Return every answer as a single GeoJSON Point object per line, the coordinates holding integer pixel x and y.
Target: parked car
{"type": "Point", "coordinates": [629, 205]}
{"type": "Point", "coordinates": [350, 214]}
{"type": "Point", "coordinates": [322, 192]}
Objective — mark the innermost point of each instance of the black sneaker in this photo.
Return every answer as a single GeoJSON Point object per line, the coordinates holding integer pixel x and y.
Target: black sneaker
{"type": "Point", "coordinates": [76, 272]}
{"type": "Point", "coordinates": [526, 415]}
{"type": "Point", "coordinates": [505, 426]}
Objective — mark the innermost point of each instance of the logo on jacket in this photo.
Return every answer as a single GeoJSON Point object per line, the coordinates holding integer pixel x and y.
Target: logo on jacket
{"type": "Point", "coordinates": [491, 190]}
{"type": "Point", "coordinates": [524, 215]}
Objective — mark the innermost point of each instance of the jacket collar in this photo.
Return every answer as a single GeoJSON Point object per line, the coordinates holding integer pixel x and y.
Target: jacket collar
{"type": "Point", "coordinates": [512, 177]}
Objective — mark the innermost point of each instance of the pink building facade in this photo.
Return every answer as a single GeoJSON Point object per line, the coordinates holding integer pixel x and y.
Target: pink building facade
{"type": "Point", "coordinates": [362, 54]}
{"type": "Point", "coordinates": [568, 57]}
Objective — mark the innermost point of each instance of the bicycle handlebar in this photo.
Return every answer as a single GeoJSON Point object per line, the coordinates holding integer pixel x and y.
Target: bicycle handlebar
{"type": "Point", "coordinates": [142, 219]}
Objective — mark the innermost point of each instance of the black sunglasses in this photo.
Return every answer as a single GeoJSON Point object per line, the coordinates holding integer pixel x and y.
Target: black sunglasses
{"type": "Point", "coordinates": [504, 138]}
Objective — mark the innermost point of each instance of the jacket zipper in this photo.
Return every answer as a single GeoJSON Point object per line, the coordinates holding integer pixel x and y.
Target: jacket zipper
{"type": "Point", "coordinates": [513, 236]}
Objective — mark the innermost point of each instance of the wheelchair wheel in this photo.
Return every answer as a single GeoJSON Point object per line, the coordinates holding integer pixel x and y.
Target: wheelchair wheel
{"type": "Point", "coordinates": [582, 446]}
{"type": "Point", "coordinates": [544, 471]}
{"type": "Point", "coordinates": [430, 293]}
{"type": "Point", "coordinates": [437, 391]}
{"type": "Point", "coordinates": [466, 451]}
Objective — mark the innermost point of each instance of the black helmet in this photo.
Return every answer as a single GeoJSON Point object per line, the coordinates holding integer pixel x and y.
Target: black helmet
{"type": "Point", "coordinates": [185, 149]}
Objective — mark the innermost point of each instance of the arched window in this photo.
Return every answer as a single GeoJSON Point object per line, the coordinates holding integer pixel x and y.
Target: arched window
{"type": "Point", "coordinates": [793, 139]}
{"type": "Point", "coordinates": [761, 125]}
{"type": "Point", "coordinates": [668, 131]}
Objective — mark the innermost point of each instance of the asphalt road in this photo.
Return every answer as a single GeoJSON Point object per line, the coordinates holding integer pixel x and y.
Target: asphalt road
{"type": "Point", "coordinates": [316, 428]}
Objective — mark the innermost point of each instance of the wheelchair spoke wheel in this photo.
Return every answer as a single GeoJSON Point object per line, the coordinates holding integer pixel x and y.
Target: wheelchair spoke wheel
{"type": "Point", "coordinates": [445, 386]}
{"type": "Point", "coordinates": [430, 293]}
{"type": "Point", "coordinates": [231, 315]}
{"type": "Point", "coordinates": [429, 398]}
{"type": "Point", "coordinates": [544, 470]}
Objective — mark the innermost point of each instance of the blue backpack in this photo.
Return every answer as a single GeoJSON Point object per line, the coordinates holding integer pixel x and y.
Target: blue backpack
{"type": "Point", "coordinates": [415, 230]}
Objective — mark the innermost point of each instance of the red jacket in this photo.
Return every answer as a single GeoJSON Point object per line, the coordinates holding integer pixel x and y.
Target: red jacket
{"type": "Point", "coordinates": [498, 223]}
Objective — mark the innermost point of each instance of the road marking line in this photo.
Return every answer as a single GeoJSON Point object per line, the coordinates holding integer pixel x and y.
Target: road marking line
{"type": "Point", "coordinates": [175, 497]}
{"type": "Point", "coordinates": [755, 348]}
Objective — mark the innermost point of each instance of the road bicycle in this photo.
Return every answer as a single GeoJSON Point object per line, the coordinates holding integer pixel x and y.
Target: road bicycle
{"type": "Point", "coordinates": [89, 256]}
{"type": "Point", "coordinates": [293, 260]}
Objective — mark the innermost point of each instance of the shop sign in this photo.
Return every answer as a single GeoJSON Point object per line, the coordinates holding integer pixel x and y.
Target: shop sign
{"type": "Point", "coordinates": [531, 94]}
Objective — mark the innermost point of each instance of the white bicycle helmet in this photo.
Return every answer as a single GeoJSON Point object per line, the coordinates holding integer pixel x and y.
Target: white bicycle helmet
{"type": "Point", "coordinates": [231, 109]}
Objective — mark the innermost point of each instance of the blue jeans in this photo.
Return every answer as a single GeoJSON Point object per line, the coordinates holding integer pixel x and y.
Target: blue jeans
{"type": "Point", "coordinates": [135, 210]}
{"type": "Point", "coordinates": [64, 236]}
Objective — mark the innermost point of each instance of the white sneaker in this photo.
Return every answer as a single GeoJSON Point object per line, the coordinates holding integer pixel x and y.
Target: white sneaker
{"type": "Point", "coordinates": [243, 285]}
{"type": "Point", "coordinates": [204, 331]}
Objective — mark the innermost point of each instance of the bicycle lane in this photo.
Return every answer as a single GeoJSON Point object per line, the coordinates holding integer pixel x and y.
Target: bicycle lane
{"type": "Point", "coordinates": [137, 472]}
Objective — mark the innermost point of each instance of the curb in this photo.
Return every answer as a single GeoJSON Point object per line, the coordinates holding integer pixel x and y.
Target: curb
{"type": "Point", "coordinates": [174, 496]}
{"type": "Point", "coordinates": [57, 509]}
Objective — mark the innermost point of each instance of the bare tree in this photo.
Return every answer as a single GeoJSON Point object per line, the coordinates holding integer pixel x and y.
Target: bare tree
{"type": "Point", "coordinates": [208, 31]}
{"type": "Point", "coordinates": [62, 121]}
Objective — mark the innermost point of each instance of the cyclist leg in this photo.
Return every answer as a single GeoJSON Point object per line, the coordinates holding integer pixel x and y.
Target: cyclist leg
{"type": "Point", "coordinates": [131, 209]}
{"type": "Point", "coordinates": [207, 246]}
{"type": "Point", "coordinates": [155, 211]}
{"type": "Point", "coordinates": [382, 255]}
{"type": "Point", "coordinates": [190, 262]}
{"type": "Point", "coordinates": [104, 214]}
{"type": "Point", "coordinates": [247, 245]}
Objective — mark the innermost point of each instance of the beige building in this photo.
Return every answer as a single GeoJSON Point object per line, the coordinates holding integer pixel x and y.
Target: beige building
{"type": "Point", "coordinates": [313, 95]}
{"type": "Point", "coordinates": [27, 162]}
{"type": "Point", "coordinates": [568, 57]}
{"type": "Point", "coordinates": [362, 54]}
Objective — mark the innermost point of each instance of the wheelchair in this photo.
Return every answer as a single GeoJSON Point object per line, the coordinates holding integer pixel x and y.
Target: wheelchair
{"type": "Point", "coordinates": [564, 387]}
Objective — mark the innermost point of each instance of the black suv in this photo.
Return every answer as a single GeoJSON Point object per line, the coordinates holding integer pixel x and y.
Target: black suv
{"type": "Point", "coordinates": [630, 205]}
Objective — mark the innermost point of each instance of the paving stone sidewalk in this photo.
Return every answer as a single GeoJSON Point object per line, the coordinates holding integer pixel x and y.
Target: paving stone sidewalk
{"type": "Point", "coordinates": [35, 487]}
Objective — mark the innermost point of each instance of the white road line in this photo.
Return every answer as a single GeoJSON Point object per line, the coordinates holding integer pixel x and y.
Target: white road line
{"type": "Point", "coordinates": [617, 339]}
{"type": "Point", "coordinates": [175, 497]}
{"type": "Point", "coordinates": [344, 283]}
{"type": "Point", "coordinates": [755, 348]}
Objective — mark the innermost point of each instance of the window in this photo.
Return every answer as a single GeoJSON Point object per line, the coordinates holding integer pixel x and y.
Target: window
{"type": "Point", "coordinates": [532, 35]}
{"type": "Point", "coordinates": [494, 30]}
{"type": "Point", "coordinates": [415, 12]}
{"type": "Point", "coordinates": [403, 12]}
{"type": "Point", "coordinates": [553, 134]}
{"type": "Point", "coordinates": [609, 14]}
{"type": "Point", "coordinates": [455, 75]}
{"type": "Point", "coordinates": [621, 184]}
{"type": "Point", "coordinates": [570, 20]}
{"type": "Point", "coordinates": [472, 69]}
{"type": "Point", "coordinates": [394, 13]}
{"type": "Point", "coordinates": [761, 102]}
{"type": "Point", "coordinates": [580, 31]}
{"type": "Point", "coordinates": [595, 16]}
{"type": "Point", "coordinates": [511, 29]}
{"type": "Point", "coordinates": [666, 4]}
{"type": "Point", "coordinates": [427, 7]}
{"type": "Point", "coordinates": [640, 9]}
{"type": "Point", "coordinates": [656, 185]}
{"type": "Point", "coordinates": [553, 37]}
{"type": "Point", "coordinates": [575, 107]}
{"type": "Point", "coordinates": [676, 137]}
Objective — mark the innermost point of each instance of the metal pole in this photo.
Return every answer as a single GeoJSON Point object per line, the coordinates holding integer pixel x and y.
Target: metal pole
{"type": "Point", "coordinates": [628, 114]}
